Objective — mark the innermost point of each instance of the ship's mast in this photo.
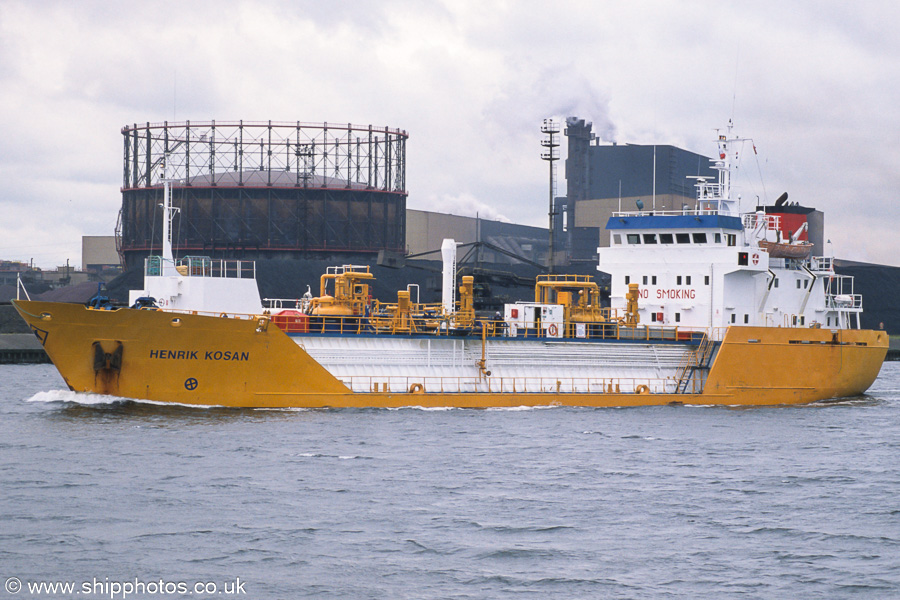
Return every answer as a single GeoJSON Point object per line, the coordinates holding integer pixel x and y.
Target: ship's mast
{"type": "Point", "coordinates": [721, 196]}
{"type": "Point", "coordinates": [168, 259]}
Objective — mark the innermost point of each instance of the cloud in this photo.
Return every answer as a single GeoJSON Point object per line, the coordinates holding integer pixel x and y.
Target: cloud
{"type": "Point", "coordinates": [465, 205]}
{"type": "Point", "coordinates": [560, 92]}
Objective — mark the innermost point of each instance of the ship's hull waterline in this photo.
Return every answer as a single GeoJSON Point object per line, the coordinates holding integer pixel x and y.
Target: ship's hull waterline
{"type": "Point", "coordinates": [201, 360]}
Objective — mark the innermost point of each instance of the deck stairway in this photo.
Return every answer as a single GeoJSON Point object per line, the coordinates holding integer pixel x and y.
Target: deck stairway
{"type": "Point", "coordinates": [695, 366]}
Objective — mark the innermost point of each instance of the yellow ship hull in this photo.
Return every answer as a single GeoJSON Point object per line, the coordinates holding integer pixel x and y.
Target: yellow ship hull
{"type": "Point", "coordinates": [201, 360]}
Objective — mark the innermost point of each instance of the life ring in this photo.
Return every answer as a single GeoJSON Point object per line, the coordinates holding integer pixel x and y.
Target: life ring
{"type": "Point", "coordinates": [642, 389]}
{"type": "Point", "coordinates": [416, 388]}
{"type": "Point", "coordinates": [553, 330]}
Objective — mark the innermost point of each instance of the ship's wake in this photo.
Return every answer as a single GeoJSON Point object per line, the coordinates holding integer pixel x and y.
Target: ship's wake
{"type": "Point", "coordinates": [91, 399]}
{"type": "Point", "coordinates": [70, 397]}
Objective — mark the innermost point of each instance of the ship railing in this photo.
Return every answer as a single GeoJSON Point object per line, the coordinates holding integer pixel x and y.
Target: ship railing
{"type": "Point", "coordinates": [710, 191]}
{"type": "Point", "coordinates": [839, 294]}
{"type": "Point", "coordinates": [203, 266]}
{"type": "Point", "coordinates": [662, 213]}
{"type": "Point", "coordinates": [754, 220]}
{"type": "Point", "coordinates": [604, 329]}
{"type": "Point", "coordinates": [705, 351]}
{"type": "Point", "coordinates": [207, 313]}
{"type": "Point", "coordinates": [819, 264]}
{"type": "Point", "coordinates": [343, 269]}
{"type": "Point", "coordinates": [716, 334]}
{"type": "Point", "coordinates": [845, 302]}
{"type": "Point", "coordinates": [436, 323]}
{"type": "Point", "coordinates": [509, 385]}
{"type": "Point", "coordinates": [838, 285]}
{"type": "Point", "coordinates": [706, 206]}
{"type": "Point", "coordinates": [284, 303]}
{"type": "Point", "coordinates": [565, 278]}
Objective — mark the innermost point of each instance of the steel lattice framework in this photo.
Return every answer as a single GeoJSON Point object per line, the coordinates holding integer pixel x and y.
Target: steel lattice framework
{"type": "Point", "coordinates": [255, 189]}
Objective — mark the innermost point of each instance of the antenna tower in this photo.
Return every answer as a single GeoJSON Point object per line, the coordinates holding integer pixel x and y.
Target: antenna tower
{"type": "Point", "coordinates": [550, 129]}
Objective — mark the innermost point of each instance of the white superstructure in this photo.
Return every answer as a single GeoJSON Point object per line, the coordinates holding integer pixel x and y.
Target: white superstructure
{"type": "Point", "coordinates": [710, 266]}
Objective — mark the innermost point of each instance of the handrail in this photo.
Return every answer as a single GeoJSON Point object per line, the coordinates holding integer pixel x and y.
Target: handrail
{"type": "Point", "coordinates": [855, 303]}
{"type": "Point", "coordinates": [204, 266]}
{"type": "Point", "coordinates": [510, 385]}
{"type": "Point", "coordinates": [441, 325]}
{"type": "Point", "coordinates": [660, 213]}
{"type": "Point", "coordinates": [387, 322]}
{"type": "Point", "coordinates": [753, 220]}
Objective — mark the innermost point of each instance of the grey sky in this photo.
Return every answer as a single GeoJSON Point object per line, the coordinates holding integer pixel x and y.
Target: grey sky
{"type": "Point", "coordinates": [816, 85]}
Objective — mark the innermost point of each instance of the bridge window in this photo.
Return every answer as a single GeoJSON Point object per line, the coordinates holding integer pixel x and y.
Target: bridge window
{"type": "Point", "coordinates": [732, 239]}
{"type": "Point", "coordinates": [665, 238]}
{"type": "Point", "coordinates": [634, 238]}
{"type": "Point", "coordinates": [699, 238]}
{"type": "Point", "coordinates": [718, 238]}
{"type": "Point", "coordinates": [798, 284]}
{"type": "Point", "coordinates": [683, 238]}
{"type": "Point", "coordinates": [649, 238]}
{"type": "Point", "coordinates": [617, 239]}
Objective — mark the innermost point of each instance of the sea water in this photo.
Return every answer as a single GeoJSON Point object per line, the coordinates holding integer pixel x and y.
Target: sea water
{"type": "Point", "coordinates": [136, 500]}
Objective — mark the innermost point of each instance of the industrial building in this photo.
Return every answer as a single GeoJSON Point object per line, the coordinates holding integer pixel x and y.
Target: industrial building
{"type": "Point", "coordinates": [264, 190]}
{"type": "Point", "coordinates": [99, 255]}
{"type": "Point", "coordinates": [498, 241]}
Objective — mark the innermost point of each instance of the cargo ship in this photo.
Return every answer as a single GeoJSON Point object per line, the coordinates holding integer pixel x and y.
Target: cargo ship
{"type": "Point", "coordinates": [708, 306]}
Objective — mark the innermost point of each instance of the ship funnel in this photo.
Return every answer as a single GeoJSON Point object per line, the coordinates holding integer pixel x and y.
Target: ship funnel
{"type": "Point", "coordinates": [448, 289]}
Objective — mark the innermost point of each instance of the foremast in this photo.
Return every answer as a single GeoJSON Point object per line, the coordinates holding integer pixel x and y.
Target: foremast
{"type": "Point", "coordinates": [167, 266]}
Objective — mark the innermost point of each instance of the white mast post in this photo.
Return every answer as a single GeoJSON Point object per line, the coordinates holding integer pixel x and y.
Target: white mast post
{"type": "Point", "coordinates": [168, 259]}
